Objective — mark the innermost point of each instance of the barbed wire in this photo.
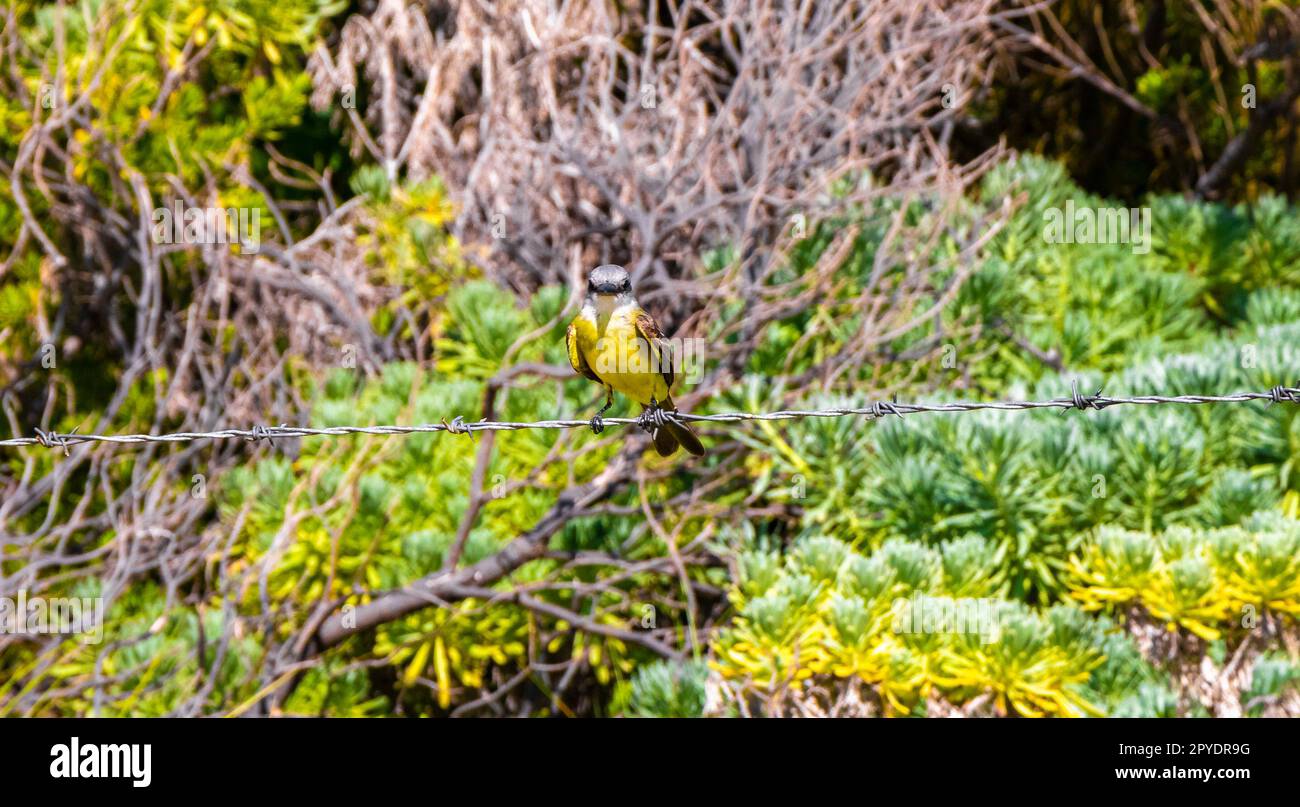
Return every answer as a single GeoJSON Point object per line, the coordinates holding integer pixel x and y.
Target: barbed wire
{"type": "Point", "coordinates": [654, 418]}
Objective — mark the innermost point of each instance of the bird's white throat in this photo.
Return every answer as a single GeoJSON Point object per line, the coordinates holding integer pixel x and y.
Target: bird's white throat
{"type": "Point", "coordinates": [607, 307]}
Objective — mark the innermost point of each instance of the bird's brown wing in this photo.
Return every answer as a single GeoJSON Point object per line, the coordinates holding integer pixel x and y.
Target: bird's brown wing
{"type": "Point", "coordinates": [648, 330]}
{"type": "Point", "coordinates": [575, 356]}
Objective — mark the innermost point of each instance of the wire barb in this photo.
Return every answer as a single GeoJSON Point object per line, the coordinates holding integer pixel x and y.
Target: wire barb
{"type": "Point", "coordinates": [1280, 393]}
{"type": "Point", "coordinates": [880, 409]}
{"type": "Point", "coordinates": [51, 438]}
{"type": "Point", "coordinates": [260, 433]}
{"type": "Point", "coordinates": [1084, 402]}
{"type": "Point", "coordinates": [656, 417]}
{"type": "Point", "coordinates": [459, 426]}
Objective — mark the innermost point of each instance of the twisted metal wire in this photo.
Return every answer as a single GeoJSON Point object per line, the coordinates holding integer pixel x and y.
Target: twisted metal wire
{"type": "Point", "coordinates": [654, 418]}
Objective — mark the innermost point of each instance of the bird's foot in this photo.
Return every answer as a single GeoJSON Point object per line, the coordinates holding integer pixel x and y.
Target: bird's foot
{"type": "Point", "coordinates": [597, 424]}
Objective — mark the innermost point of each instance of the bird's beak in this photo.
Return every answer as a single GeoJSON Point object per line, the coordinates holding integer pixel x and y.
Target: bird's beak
{"type": "Point", "coordinates": [605, 289]}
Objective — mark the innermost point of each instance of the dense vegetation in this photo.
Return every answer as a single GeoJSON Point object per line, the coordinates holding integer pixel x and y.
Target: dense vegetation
{"type": "Point", "coordinates": [1130, 561]}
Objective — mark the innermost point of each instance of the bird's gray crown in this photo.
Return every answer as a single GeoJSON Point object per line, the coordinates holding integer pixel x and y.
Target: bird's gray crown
{"type": "Point", "coordinates": [609, 279]}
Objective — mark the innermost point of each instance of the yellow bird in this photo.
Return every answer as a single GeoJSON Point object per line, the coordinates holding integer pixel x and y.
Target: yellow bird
{"type": "Point", "coordinates": [614, 342]}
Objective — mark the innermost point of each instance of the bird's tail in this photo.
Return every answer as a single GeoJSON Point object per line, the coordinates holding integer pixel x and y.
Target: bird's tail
{"type": "Point", "coordinates": [671, 435]}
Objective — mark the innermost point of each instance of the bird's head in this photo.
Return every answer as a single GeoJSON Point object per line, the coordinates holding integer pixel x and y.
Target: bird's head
{"type": "Point", "coordinates": [609, 280]}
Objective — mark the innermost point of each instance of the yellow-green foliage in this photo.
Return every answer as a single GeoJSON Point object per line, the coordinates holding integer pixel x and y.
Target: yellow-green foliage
{"type": "Point", "coordinates": [908, 620]}
{"type": "Point", "coordinates": [406, 240]}
{"type": "Point", "coordinates": [913, 621]}
{"type": "Point", "coordinates": [1203, 581]}
{"type": "Point", "coordinates": [119, 62]}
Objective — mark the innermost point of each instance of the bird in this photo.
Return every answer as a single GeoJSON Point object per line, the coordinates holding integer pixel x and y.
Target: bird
{"type": "Point", "coordinates": [616, 343]}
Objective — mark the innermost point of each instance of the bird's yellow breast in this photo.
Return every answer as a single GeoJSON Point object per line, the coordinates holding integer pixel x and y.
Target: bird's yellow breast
{"type": "Point", "coordinates": [611, 346]}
